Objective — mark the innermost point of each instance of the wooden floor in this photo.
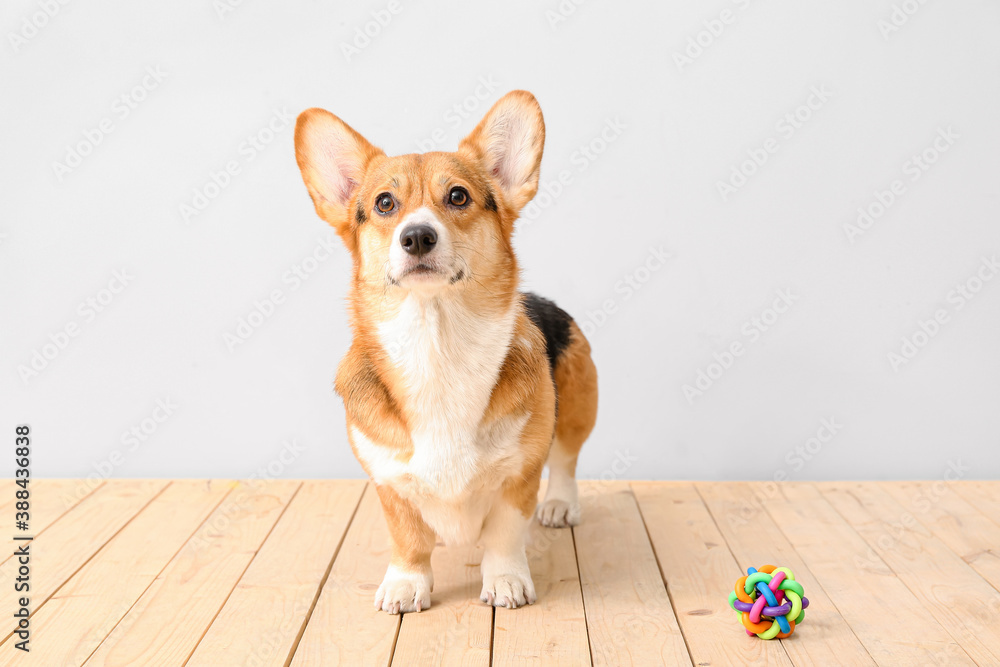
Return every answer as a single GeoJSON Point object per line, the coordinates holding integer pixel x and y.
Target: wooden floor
{"type": "Point", "coordinates": [222, 573]}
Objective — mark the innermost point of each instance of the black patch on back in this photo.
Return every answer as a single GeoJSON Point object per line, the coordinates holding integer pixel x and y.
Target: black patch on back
{"type": "Point", "coordinates": [552, 321]}
{"type": "Point", "coordinates": [490, 204]}
{"type": "Point", "coordinates": [360, 216]}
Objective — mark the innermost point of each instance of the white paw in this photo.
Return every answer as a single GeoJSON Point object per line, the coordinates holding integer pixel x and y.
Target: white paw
{"type": "Point", "coordinates": [557, 513]}
{"type": "Point", "coordinates": [404, 591]}
{"type": "Point", "coordinates": [508, 590]}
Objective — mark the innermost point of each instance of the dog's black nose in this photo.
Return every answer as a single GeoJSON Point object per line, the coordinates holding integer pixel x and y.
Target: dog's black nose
{"type": "Point", "coordinates": [418, 239]}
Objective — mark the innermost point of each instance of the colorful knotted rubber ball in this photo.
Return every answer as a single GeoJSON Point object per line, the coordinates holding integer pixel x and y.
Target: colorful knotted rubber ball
{"type": "Point", "coordinates": [769, 602]}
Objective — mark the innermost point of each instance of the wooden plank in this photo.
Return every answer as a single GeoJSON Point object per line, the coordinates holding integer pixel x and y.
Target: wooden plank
{"type": "Point", "coordinates": [553, 630]}
{"type": "Point", "coordinates": [267, 610]}
{"type": "Point", "coordinates": [75, 620]}
{"type": "Point", "coordinates": [97, 551]}
{"type": "Point", "coordinates": [78, 534]}
{"type": "Point", "coordinates": [699, 571]}
{"type": "Point", "coordinates": [629, 617]}
{"type": "Point", "coordinates": [892, 624]}
{"type": "Point", "coordinates": [345, 628]}
{"type": "Point", "coordinates": [49, 499]}
{"type": "Point", "coordinates": [825, 638]}
{"type": "Point", "coordinates": [7, 487]}
{"type": "Point", "coordinates": [66, 492]}
{"type": "Point", "coordinates": [166, 623]}
{"type": "Point", "coordinates": [956, 522]}
{"type": "Point", "coordinates": [984, 496]}
{"type": "Point", "coordinates": [456, 629]}
{"type": "Point", "coordinates": [959, 598]}
{"type": "Point", "coordinates": [69, 492]}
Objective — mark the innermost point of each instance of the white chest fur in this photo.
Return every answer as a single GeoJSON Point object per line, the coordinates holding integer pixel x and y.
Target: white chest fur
{"type": "Point", "coordinates": [449, 359]}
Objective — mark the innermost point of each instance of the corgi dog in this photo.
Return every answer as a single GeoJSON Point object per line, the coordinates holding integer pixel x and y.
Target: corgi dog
{"type": "Point", "coordinates": [458, 387]}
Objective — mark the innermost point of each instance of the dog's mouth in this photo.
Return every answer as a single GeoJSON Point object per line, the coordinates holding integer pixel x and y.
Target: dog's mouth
{"type": "Point", "coordinates": [419, 269]}
{"type": "Point", "coordinates": [421, 272]}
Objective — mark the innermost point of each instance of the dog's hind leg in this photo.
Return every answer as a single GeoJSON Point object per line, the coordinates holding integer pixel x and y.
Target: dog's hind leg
{"type": "Point", "coordinates": [576, 386]}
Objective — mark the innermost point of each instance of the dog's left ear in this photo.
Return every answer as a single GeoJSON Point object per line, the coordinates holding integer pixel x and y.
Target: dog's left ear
{"type": "Point", "coordinates": [509, 141]}
{"type": "Point", "coordinates": [333, 159]}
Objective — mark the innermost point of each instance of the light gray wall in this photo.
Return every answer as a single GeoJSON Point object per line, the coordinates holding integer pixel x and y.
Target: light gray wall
{"type": "Point", "coordinates": [664, 133]}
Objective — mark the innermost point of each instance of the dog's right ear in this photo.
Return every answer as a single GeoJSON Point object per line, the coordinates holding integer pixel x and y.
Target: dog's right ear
{"type": "Point", "coordinates": [333, 159]}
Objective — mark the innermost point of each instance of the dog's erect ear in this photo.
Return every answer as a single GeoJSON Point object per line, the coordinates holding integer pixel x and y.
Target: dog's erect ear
{"type": "Point", "coordinates": [333, 159]}
{"type": "Point", "coordinates": [509, 142]}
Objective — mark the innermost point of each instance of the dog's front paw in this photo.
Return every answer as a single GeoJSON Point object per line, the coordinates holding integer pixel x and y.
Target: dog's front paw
{"type": "Point", "coordinates": [508, 590]}
{"type": "Point", "coordinates": [557, 513]}
{"type": "Point", "coordinates": [404, 591]}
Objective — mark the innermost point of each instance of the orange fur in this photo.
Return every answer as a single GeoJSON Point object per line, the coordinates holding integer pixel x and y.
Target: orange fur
{"type": "Point", "coordinates": [412, 539]}
{"type": "Point", "coordinates": [576, 383]}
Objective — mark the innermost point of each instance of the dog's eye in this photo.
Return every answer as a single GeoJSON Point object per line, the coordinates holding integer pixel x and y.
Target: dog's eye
{"type": "Point", "coordinates": [384, 203]}
{"type": "Point", "coordinates": [458, 197]}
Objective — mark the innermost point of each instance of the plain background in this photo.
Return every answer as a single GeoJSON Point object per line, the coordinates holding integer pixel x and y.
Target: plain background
{"type": "Point", "coordinates": [672, 131]}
